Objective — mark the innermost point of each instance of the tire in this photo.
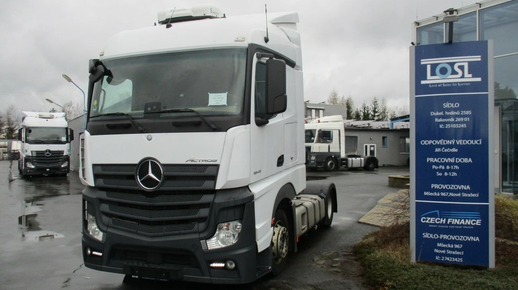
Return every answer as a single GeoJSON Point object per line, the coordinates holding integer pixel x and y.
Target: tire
{"type": "Point", "coordinates": [280, 242]}
{"type": "Point", "coordinates": [370, 165]}
{"type": "Point", "coordinates": [328, 219]}
{"type": "Point", "coordinates": [330, 164]}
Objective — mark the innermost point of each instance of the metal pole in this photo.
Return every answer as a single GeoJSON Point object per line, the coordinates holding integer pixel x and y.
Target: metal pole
{"type": "Point", "coordinates": [52, 102]}
{"type": "Point", "coordinates": [68, 79]}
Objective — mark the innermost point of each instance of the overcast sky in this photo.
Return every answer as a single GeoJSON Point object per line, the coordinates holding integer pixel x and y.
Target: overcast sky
{"type": "Point", "coordinates": [357, 47]}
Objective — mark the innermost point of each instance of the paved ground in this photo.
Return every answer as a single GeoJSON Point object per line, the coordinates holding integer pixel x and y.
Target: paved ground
{"type": "Point", "coordinates": [46, 254]}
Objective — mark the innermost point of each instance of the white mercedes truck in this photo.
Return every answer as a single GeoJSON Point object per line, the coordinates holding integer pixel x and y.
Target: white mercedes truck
{"type": "Point", "coordinates": [325, 146]}
{"type": "Point", "coordinates": [193, 155]}
{"type": "Point", "coordinates": [45, 144]}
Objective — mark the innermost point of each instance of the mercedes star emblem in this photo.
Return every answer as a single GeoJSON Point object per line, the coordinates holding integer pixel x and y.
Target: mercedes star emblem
{"type": "Point", "coordinates": [48, 153]}
{"type": "Point", "coordinates": [149, 174]}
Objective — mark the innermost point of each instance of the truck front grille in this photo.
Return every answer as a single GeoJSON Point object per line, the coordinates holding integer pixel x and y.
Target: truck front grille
{"type": "Point", "coordinates": [48, 158]}
{"type": "Point", "coordinates": [181, 205]}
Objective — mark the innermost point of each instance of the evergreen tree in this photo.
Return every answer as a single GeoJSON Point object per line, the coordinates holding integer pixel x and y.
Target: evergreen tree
{"type": "Point", "coordinates": [375, 109]}
{"type": "Point", "coordinates": [357, 115]}
{"type": "Point", "coordinates": [365, 112]}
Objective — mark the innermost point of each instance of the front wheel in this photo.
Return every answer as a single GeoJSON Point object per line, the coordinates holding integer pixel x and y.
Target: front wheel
{"type": "Point", "coordinates": [328, 219]}
{"type": "Point", "coordinates": [280, 242]}
{"type": "Point", "coordinates": [330, 164]}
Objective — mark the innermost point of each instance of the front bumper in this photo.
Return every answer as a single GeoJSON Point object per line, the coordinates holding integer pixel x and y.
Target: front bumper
{"type": "Point", "coordinates": [46, 168]}
{"type": "Point", "coordinates": [178, 256]}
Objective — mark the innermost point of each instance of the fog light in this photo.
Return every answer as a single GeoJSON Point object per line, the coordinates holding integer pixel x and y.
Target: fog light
{"type": "Point", "coordinates": [93, 253]}
{"type": "Point", "coordinates": [226, 235]}
{"type": "Point", "coordinates": [91, 227]}
{"type": "Point", "coordinates": [230, 265]}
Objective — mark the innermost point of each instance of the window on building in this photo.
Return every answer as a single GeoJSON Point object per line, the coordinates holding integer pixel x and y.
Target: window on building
{"type": "Point", "coordinates": [351, 144]}
{"type": "Point", "coordinates": [404, 144]}
{"type": "Point", "coordinates": [500, 24]}
{"type": "Point", "coordinates": [466, 28]}
{"type": "Point", "coordinates": [431, 34]}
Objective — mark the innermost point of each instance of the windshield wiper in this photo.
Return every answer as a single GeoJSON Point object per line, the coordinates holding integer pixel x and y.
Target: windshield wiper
{"type": "Point", "coordinates": [188, 110]}
{"type": "Point", "coordinates": [141, 129]}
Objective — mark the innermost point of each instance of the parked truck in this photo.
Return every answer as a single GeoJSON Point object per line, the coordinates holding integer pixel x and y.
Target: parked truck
{"type": "Point", "coordinates": [193, 154]}
{"type": "Point", "coordinates": [45, 144]}
{"type": "Point", "coordinates": [326, 146]}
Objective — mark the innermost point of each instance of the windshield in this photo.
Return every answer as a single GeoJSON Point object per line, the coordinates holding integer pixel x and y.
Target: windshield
{"type": "Point", "coordinates": [211, 82]}
{"type": "Point", "coordinates": [310, 136]}
{"type": "Point", "coordinates": [46, 135]}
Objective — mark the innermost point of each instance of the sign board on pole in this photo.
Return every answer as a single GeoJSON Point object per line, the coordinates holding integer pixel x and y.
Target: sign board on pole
{"type": "Point", "coordinates": [452, 192]}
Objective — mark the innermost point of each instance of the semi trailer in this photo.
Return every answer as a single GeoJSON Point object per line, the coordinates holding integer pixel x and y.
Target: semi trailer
{"type": "Point", "coordinates": [193, 153]}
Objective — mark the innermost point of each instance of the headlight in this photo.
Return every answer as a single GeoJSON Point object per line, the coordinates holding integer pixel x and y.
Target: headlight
{"type": "Point", "coordinates": [29, 164]}
{"type": "Point", "coordinates": [65, 164]}
{"type": "Point", "coordinates": [226, 235]}
{"type": "Point", "coordinates": [313, 157]}
{"type": "Point", "coordinates": [91, 227]}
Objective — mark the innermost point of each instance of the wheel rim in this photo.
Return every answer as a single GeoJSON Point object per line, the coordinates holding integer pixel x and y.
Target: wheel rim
{"type": "Point", "coordinates": [280, 242]}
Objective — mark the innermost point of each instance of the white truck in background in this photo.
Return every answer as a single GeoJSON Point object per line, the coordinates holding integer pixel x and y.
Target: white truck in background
{"type": "Point", "coordinates": [193, 154]}
{"type": "Point", "coordinates": [325, 146]}
{"type": "Point", "coordinates": [45, 144]}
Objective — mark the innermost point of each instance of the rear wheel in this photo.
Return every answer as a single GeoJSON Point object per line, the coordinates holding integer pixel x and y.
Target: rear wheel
{"type": "Point", "coordinates": [370, 165]}
{"type": "Point", "coordinates": [280, 242]}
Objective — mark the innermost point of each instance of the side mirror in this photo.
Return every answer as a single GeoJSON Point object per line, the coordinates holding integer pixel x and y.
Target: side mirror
{"type": "Point", "coordinates": [276, 99]}
{"type": "Point", "coordinates": [71, 135]}
{"type": "Point", "coordinates": [20, 131]}
{"type": "Point", "coordinates": [96, 69]}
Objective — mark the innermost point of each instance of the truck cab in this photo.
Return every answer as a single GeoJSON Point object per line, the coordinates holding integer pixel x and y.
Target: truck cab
{"type": "Point", "coordinates": [193, 155]}
{"type": "Point", "coordinates": [45, 144]}
{"type": "Point", "coordinates": [325, 146]}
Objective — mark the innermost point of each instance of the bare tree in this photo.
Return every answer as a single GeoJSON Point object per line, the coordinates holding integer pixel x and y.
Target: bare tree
{"type": "Point", "coordinates": [12, 122]}
{"type": "Point", "coordinates": [349, 104]}
{"type": "Point", "coordinates": [72, 110]}
{"type": "Point", "coordinates": [333, 98]}
{"type": "Point", "coordinates": [2, 124]}
{"type": "Point", "coordinates": [384, 111]}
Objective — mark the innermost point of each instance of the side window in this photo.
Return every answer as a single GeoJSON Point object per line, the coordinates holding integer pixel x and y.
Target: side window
{"type": "Point", "coordinates": [309, 136]}
{"type": "Point", "coordinates": [325, 137]}
{"type": "Point", "coordinates": [260, 90]}
{"type": "Point", "coordinates": [115, 96]}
